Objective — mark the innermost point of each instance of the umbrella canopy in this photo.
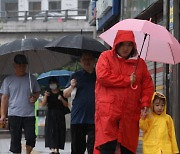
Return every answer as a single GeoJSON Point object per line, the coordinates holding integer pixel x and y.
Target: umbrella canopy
{"type": "Point", "coordinates": [39, 58]}
{"type": "Point", "coordinates": [76, 44]}
{"type": "Point", "coordinates": [63, 76]}
{"type": "Point", "coordinates": [159, 45]}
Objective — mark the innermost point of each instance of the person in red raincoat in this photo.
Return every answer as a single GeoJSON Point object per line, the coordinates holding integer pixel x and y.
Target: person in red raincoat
{"type": "Point", "coordinates": [118, 104]}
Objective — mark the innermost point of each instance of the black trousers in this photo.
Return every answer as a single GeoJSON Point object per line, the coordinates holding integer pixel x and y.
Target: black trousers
{"type": "Point", "coordinates": [110, 147]}
{"type": "Point", "coordinates": [16, 124]}
{"type": "Point", "coordinates": [82, 137]}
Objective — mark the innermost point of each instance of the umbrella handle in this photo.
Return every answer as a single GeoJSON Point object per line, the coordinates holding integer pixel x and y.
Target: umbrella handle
{"type": "Point", "coordinates": [134, 87]}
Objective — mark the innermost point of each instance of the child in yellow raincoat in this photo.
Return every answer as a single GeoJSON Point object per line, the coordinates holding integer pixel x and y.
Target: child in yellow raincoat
{"type": "Point", "coordinates": [158, 128]}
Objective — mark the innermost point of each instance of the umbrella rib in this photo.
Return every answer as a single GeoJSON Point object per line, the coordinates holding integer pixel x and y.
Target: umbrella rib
{"type": "Point", "coordinates": [55, 57]}
{"type": "Point", "coordinates": [147, 47]}
{"type": "Point", "coordinates": [171, 53]}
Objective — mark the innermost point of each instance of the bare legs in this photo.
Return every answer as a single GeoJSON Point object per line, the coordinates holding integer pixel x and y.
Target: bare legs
{"type": "Point", "coordinates": [28, 149]}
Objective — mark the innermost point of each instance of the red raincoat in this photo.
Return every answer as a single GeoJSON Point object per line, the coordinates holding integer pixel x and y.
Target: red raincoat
{"type": "Point", "coordinates": [117, 104]}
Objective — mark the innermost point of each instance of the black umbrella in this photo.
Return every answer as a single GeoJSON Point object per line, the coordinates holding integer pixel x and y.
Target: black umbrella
{"type": "Point", "coordinates": [76, 44]}
{"type": "Point", "coordinates": [39, 58]}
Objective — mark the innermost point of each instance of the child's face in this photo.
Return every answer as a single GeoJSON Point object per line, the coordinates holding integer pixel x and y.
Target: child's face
{"type": "Point", "coordinates": [158, 106]}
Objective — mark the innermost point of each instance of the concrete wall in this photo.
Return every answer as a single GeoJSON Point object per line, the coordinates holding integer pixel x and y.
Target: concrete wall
{"type": "Point", "coordinates": [69, 4]}
{"type": "Point", "coordinates": [23, 5]}
{"type": "Point", "coordinates": [8, 37]}
{"type": "Point", "coordinates": [48, 30]}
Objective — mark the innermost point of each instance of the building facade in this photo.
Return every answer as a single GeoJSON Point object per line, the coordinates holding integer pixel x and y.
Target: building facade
{"type": "Point", "coordinates": [16, 8]}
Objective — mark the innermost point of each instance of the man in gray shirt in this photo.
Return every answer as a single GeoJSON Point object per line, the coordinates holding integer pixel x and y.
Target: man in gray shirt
{"type": "Point", "coordinates": [19, 99]}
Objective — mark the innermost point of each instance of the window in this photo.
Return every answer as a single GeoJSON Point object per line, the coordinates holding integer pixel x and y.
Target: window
{"type": "Point", "coordinates": [83, 4]}
{"type": "Point", "coordinates": [12, 10]}
{"type": "Point", "coordinates": [34, 8]}
{"type": "Point", "coordinates": [54, 5]}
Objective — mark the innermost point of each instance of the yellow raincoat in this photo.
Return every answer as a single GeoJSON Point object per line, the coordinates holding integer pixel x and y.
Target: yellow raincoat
{"type": "Point", "coordinates": [158, 133]}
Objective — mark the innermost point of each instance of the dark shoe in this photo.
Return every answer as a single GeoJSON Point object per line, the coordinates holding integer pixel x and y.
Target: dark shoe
{"type": "Point", "coordinates": [52, 153]}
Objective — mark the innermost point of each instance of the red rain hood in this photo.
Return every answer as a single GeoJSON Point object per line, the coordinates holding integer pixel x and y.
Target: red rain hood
{"type": "Point", "coordinates": [123, 36]}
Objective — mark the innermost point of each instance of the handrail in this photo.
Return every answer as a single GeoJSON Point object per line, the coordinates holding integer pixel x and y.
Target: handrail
{"type": "Point", "coordinates": [45, 15]}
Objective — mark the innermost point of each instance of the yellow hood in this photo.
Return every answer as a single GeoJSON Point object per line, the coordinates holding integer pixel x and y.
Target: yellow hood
{"type": "Point", "coordinates": [161, 96]}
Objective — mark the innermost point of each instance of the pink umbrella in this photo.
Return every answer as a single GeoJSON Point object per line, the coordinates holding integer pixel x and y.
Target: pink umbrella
{"type": "Point", "coordinates": [154, 42]}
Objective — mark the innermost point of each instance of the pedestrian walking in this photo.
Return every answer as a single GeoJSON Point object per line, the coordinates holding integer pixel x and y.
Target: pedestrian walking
{"type": "Point", "coordinates": [55, 125]}
{"type": "Point", "coordinates": [122, 91]}
{"type": "Point", "coordinates": [158, 128]}
{"type": "Point", "coordinates": [83, 106]}
{"type": "Point", "coordinates": [18, 99]}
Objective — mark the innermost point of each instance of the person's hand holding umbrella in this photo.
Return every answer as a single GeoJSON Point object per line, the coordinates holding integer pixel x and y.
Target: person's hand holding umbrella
{"type": "Point", "coordinates": [68, 91]}
{"type": "Point", "coordinates": [73, 83]}
{"type": "Point", "coordinates": [60, 98]}
{"type": "Point", "coordinates": [33, 98]}
{"type": "Point", "coordinates": [46, 93]}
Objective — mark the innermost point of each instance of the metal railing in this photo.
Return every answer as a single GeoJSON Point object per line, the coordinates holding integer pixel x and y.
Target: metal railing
{"type": "Point", "coordinates": [45, 15]}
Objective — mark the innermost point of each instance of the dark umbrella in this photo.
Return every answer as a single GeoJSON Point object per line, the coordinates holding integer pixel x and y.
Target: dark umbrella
{"type": "Point", "coordinates": [39, 58]}
{"type": "Point", "coordinates": [76, 44]}
{"type": "Point", "coordinates": [63, 77]}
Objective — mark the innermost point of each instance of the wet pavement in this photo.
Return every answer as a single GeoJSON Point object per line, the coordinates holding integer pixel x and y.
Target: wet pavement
{"type": "Point", "coordinates": [40, 145]}
{"type": "Point", "coordinates": [39, 149]}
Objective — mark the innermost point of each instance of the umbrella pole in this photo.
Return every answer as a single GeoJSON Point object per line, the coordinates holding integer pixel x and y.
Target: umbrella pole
{"type": "Point", "coordinates": [30, 82]}
{"type": "Point", "coordinates": [29, 74]}
{"type": "Point", "coordinates": [76, 66]}
{"type": "Point", "coordinates": [145, 36]}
